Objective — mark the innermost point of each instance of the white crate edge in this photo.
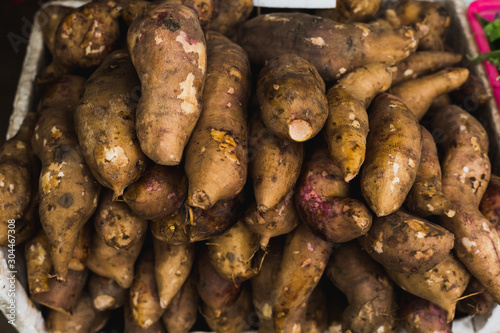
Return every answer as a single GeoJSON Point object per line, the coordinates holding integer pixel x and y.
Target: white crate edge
{"type": "Point", "coordinates": [31, 320]}
{"type": "Point", "coordinates": [28, 318]}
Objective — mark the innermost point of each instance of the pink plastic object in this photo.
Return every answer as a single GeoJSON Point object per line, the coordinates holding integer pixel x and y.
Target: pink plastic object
{"type": "Point", "coordinates": [487, 9]}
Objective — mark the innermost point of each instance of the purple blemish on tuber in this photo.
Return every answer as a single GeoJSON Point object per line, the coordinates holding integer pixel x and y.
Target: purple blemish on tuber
{"type": "Point", "coordinates": [153, 185]}
{"type": "Point", "coordinates": [309, 197]}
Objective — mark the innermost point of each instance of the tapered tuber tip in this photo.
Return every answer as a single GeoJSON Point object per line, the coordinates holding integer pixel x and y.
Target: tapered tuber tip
{"type": "Point", "coordinates": [349, 176]}
{"type": "Point", "coordinates": [381, 213]}
{"type": "Point", "coordinates": [264, 242]}
{"type": "Point", "coordinates": [118, 194]}
{"type": "Point", "coordinates": [163, 304]}
{"type": "Point", "coordinates": [299, 130]}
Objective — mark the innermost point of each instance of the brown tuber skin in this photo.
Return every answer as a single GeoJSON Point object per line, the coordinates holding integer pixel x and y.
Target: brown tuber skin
{"type": "Point", "coordinates": [442, 285]}
{"type": "Point", "coordinates": [369, 291]}
{"type": "Point", "coordinates": [322, 176]}
{"type": "Point", "coordinates": [422, 316]}
{"type": "Point", "coordinates": [418, 94]}
{"type": "Point", "coordinates": [431, 14]}
{"type": "Point", "coordinates": [275, 164]}
{"type": "Point", "coordinates": [171, 98]}
{"type": "Point", "coordinates": [215, 291]}
{"type": "Point", "coordinates": [82, 249]}
{"type": "Point", "coordinates": [84, 319]}
{"type": "Point", "coordinates": [38, 263]}
{"type": "Point", "coordinates": [490, 203]}
{"type": "Point", "coordinates": [105, 123]}
{"type": "Point", "coordinates": [105, 293]}
{"type": "Point", "coordinates": [86, 36]}
{"type": "Point", "coordinates": [291, 96]}
{"type": "Point", "coordinates": [466, 173]}
{"type": "Point", "coordinates": [63, 296]}
{"type": "Point", "coordinates": [207, 10]}
{"type": "Point", "coordinates": [172, 267]}
{"type": "Point", "coordinates": [68, 191]}
{"type": "Point", "coordinates": [316, 320]}
{"type": "Point", "coordinates": [320, 199]}
{"type": "Point", "coordinates": [171, 229]}
{"type": "Point", "coordinates": [117, 225]}
{"type": "Point", "coordinates": [134, 8]}
{"type": "Point", "coordinates": [406, 243]}
{"type": "Point", "coordinates": [182, 312]}
{"type": "Point", "coordinates": [205, 224]}
{"type": "Point", "coordinates": [304, 260]}
{"type": "Point", "coordinates": [347, 11]}
{"type": "Point", "coordinates": [347, 127]}
{"type": "Point", "coordinates": [232, 14]}
{"type": "Point", "coordinates": [333, 48]}
{"type": "Point", "coordinates": [117, 5]}
{"type": "Point", "coordinates": [426, 197]}
{"type": "Point", "coordinates": [233, 253]}
{"type": "Point", "coordinates": [83, 38]}
{"type": "Point", "coordinates": [216, 155]}
{"type": "Point", "coordinates": [279, 220]}
{"type": "Point", "coordinates": [49, 18]}
{"type": "Point", "coordinates": [472, 94]}
{"type": "Point", "coordinates": [18, 173]}
{"type": "Point", "coordinates": [263, 285]}
{"type": "Point", "coordinates": [296, 320]}
{"type": "Point", "coordinates": [335, 219]}
{"type": "Point", "coordinates": [424, 63]}
{"type": "Point", "coordinates": [132, 327]}
{"type": "Point", "coordinates": [392, 155]}
{"type": "Point", "coordinates": [476, 301]}
{"type": "Point", "coordinates": [158, 193]}
{"type": "Point", "coordinates": [117, 264]}
{"type": "Point", "coordinates": [232, 318]}
{"type": "Point", "coordinates": [29, 223]}
{"type": "Point", "coordinates": [144, 300]}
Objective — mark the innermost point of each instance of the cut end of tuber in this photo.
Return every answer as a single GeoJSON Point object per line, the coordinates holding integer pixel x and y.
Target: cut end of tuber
{"type": "Point", "coordinates": [200, 199]}
{"type": "Point", "coordinates": [262, 208]}
{"type": "Point", "coordinates": [104, 302]}
{"type": "Point", "coordinates": [299, 130]}
{"type": "Point", "coordinates": [450, 213]}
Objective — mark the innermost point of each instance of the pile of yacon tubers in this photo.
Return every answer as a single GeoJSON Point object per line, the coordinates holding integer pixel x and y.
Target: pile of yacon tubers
{"type": "Point", "coordinates": [196, 165]}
